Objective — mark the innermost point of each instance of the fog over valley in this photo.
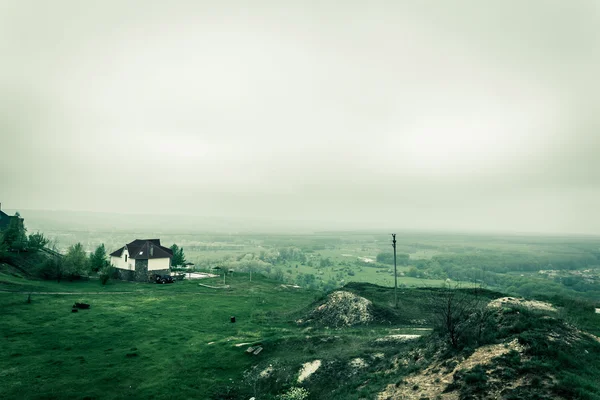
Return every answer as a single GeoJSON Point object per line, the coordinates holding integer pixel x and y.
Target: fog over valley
{"type": "Point", "coordinates": [407, 115]}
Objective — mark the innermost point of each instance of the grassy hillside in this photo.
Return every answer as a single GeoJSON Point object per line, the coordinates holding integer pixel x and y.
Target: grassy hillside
{"type": "Point", "coordinates": [177, 341]}
{"type": "Point", "coordinates": [144, 340]}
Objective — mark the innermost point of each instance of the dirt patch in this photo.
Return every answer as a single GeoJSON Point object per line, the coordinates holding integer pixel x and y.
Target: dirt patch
{"type": "Point", "coordinates": [358, 363]}
{"type": "Point", "coordinates": [214, 287]}
{"type": "Point", "coordinates": [198, 275]}
{"type": "Point", "coordinates": [397, 338]}
{"type": "Point", "coordinates": [596, 338]}
{"type": "Point", "coordinates": [484, 355]}
{"type": "Point", "coordinates": [343, 309]}
{"type": "Point", "coordinates": [512, 301]}
{"type": "Point", "coordinates": [265, 373]}
{"type": "Point", "coordinates": [431, 382]}
{"type": "Point", "coordinates": [308, 369]}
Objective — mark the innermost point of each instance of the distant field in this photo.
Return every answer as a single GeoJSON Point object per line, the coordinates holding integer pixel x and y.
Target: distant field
{"type": "Point", "coordinates": [524, 265]}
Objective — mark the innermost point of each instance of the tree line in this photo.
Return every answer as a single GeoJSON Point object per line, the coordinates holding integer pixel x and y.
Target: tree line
{"type": "Point", "coordinates": [14, 238]}
{"type": "Point", "coordinates": [76, 263]}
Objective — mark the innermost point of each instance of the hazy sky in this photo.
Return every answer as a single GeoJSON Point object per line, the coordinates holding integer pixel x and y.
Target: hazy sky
{"type": "Point", "coordinates": [461, 114]}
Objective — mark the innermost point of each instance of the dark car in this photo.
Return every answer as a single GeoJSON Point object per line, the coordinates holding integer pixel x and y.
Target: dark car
{"type": "Point", "coordinates": [163, 279]}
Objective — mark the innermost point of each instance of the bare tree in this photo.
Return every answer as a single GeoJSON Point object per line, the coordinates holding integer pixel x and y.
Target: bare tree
{"type": "Point", "coordinates": [459, 314]}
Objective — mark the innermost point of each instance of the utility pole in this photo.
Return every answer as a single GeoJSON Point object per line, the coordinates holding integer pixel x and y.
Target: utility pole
{"type": "Point", "coordinates": [395, 273]}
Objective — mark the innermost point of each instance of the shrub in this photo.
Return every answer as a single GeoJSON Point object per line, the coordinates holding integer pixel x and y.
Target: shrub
{"type": "Point", "coordinates": [106, 272]}
{"type": "Point", "coordinates": [37, 241]}
{"type": "Point", "coordinates": [75, 262]}
{"type": "Point", "coordinates": [52, 268]}
{"type": "Point", "coordinates": [98, 258]}
{"type": "Point", "coordinates": [3, 247]}
{"type": "Point", "coordinates": [476, 376]}
{"type": "Point", "coordinates": [462, 316]}
{"type": "Point", "coordinates": [294, 393]}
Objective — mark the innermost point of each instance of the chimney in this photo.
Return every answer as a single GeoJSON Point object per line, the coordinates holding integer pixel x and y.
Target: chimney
{"type": "Point", "coordinates": [151, 250]}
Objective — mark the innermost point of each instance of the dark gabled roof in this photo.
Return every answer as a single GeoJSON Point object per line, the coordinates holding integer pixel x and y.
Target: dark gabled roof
{"type": "Point", "coordinates": [140, 249]}
{"type": "Point", "coordinates": [117, 253]}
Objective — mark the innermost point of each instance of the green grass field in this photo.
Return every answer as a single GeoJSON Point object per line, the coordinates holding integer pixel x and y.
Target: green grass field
{"type": "Point", "coordinates": [177, 342]}
{"type": "Point", "coordinates": [156, 341]}
{"type": "Point", "coordinates": [131, 344]}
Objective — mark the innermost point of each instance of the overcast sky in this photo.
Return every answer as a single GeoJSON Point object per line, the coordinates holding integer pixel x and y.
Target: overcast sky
{"type": "Point", "coordinates": [460, 115]}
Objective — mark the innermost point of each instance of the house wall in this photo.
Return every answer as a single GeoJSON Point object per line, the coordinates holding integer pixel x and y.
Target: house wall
{"type": "Point", "coordinates": [125, 274]}
{"type": "Point", "coordinates": [141, 271]}
{"type": "Point", "coordinates": [155, 264]}
{"type": "Point", "coordinates": [119, 262]}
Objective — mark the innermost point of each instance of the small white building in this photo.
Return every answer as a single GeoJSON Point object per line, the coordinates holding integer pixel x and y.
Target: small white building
{"type": "Point", "coordinates": [140, 259]}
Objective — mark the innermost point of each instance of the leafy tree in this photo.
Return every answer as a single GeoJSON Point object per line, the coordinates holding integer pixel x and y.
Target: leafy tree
{"type": "Point", "coordinates": [290, 254]}
{"type": "Point", "coordinates": [15, 235]}
{"type": "Point", "coordinates": [106, 272]}
{"type": "Point", "coordinates": [75, 262]}
{"type": "Point", "coordinates": [178, 256]}
{"type": "Point", "coordinates": [278, 274]}
{"type": "Point", "coordinates": [3, 247]}
{"type": "Point", "coordinates": [98, 259]}
{"type": "Point", "coordinates": [306, 280]}
{"type": "Point", "coordinates": [325, 262]}
{"type": "Point", "coordinates": [37, 241]}
{"type": "Point", "coordinates": [388, 258]}
{"type": "Point", "coordinates": [270, 256]}
{"type": "Point", "coordinates": [52, 268]}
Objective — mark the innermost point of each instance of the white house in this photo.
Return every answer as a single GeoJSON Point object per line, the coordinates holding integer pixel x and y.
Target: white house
{"type": "Point", "coordinates": [140, 259]}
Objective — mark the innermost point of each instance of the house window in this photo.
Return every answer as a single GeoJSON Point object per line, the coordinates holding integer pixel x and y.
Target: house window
{"type": "Point", "coordinates": [125, 257]}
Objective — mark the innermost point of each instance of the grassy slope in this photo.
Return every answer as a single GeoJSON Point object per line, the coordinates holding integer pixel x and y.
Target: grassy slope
{"type": "Point", "coordinates": [135, 343]}
{"type": "Point", "coordinates": [154, 342]}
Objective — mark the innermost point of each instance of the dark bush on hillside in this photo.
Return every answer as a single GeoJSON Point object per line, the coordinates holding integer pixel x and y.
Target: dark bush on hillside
{"type": "Point", "coordinates": [462, 317]}
{"type": "Point", "coordinates": [37, 241]}
{"type": "Point", "coordinates": [52, 268]}
{"type": "Point", "coordinates": [3, 248]}
{"type": "Point", "coordinates": [106, 273]}
{"type": "Point", "coordinates": [471, 383]}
